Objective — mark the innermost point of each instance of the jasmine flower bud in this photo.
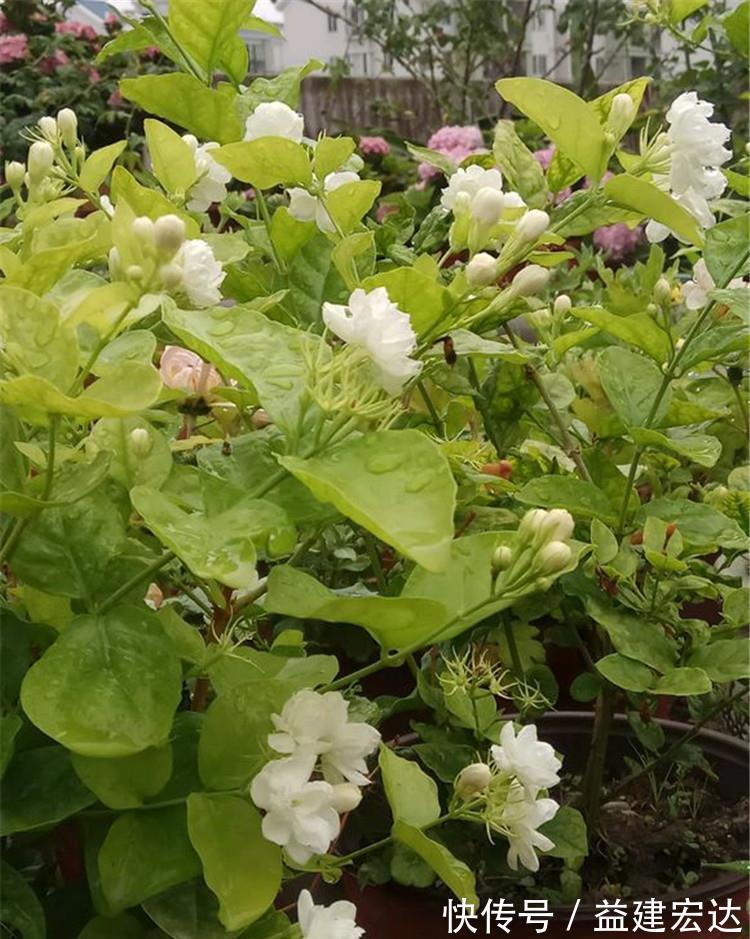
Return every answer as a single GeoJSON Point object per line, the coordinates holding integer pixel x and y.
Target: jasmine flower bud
{"type": "Point", "coordinates": [169, 234]}
{"type": "Point", "coordinates": [171, 275]}
{"type": "Point", "coordinates": [562, 305]}
{"type": "Point", "coordinates": [487, 206]}
{"type": "Point", "coordinates": [14, 174]}
{"type": "Point", "coordinates": [502, 558]}
{"type": "Point", "coordinates": [472, 779]}
{"type": "Point", "coordinates": [143, 229]}
{"type": "Point", "coordinates": [134, 272]}
{"type": "Point", "coordinates": [554, 557]}
{"type": "Point", "coordinates": [67, 123]}
{"type": "Point", "coordinates": [481, 270]}
{"type": "Point", "coordinates": [48, 127]}
{"type": "Point", "coordinates": [662, 290]}
{"type": "Point", "coordinates": [41, 158]}
{"type": "Point", "coordinates": [532, 225]}
{"type": "Point", "coordinates": [557, 525]}
{"type": "Point", "coordinates": [140, 441]}
{"type": "Point", "coordinates": [530, 281]}
{"type": "Point", "coordinates": [346, 797]}
{"type": "Point", "coordinates": [621, 114]}
{"type": "Point", "coordinates": [531, 523]}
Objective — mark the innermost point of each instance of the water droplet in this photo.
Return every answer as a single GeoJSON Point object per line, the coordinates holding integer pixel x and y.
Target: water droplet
{"type": "Point", "coordinates": [221, 328]}
{"type": "Point", "coordinates": [418, 481]}
{"type": "Point", "coordinates": [384, 462]}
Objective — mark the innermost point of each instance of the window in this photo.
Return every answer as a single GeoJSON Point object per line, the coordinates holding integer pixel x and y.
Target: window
{"type": "Point", "coordinates": [540, 17]}
{"type": "Point", "coordinates": [333, 23]}
{"type": "Point", "coordinates": [538, 64]}
{"type": "Point", "coordinates": [638, 66]}
{"type": "Point", "coordinates": [257, 62]}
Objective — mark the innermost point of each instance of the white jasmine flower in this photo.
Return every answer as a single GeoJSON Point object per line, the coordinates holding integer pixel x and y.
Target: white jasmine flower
{"type": "Point", "coordinates": [202, 274]}
{"type": "Point", "coordinates": [318, 724]}
{"type": "Point", "coordinates": [470, 180]}
{"type": "Point", "coordinates": [184, 370]}
{"type": "Point", "coordinates": [521, 818]}
{"type": "Point", "coordinates": [211, 185]}
{"type": "Point", "coordinates": [306, 207]}
{"type": "Point", "coordinates": [336, 921]}
{"type": "Point", "coordinates": [695, 292]}
{"type": "Point", "coordinates": [472, 779]}
{"type": "Point", "coordinates": [275, 119]}
{"type": "Point", "coordinates": [372, 321]}
{"type": "Point", "coordinates": [299, 814]}
{"type": "Point", "coordinates": [531, 761]}
{"type": "Point", "coordinates": [696, 152]}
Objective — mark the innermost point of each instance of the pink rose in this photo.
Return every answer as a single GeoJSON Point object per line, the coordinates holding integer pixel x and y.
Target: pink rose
{"type": "Point", "coordinates": [77, 29]}
{"type": "Point", "coordinates": [374, 146]}
{"type": "Point", "coordinates": [51, 63]}
{"type": "Point", "coordinates": [13, 48]}
{"type": "Point", "coordinates": [185, 371]}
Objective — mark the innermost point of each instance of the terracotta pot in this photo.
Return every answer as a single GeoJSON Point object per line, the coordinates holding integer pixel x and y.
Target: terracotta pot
{"type": "Point", "coordinates": [393, 912]}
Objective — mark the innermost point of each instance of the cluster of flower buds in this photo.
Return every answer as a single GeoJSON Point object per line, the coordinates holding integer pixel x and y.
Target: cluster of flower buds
{"type": "Point", "coordinates": [540, 550]}
{"type": "Point", "coordinates": [159, 257]}
{"type": "Point", "coordinates": [54, 158]}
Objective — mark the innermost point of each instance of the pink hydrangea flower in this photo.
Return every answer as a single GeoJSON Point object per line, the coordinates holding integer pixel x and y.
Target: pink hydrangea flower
{"type": "Point", "coordinates": [77, 29]}
{"type": "Point", "coordinates": [94, 76]}
{"type": "Point", "coordinates": [4, 23]}
{"type": "Point", "coordinates": [185, 371]}
{"type": "Point", "coordinates": [618, 241]}
{"type": "Point", "coordinates": [374, 146]}
{"type": "Point", "coordinates": [51, 63]}
{"type": "Point", "coordinates": [454, 142]}
{"type": "Point", "coordinates": [115, 100]}
{"type": "Point", "coordinates": [112, 22]}
{"type": "Point", "coordinates": [150, 52]}
{"type": "Point", "coordinates": [13, 48]}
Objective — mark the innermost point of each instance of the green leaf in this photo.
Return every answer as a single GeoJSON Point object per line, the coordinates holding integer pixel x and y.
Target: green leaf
{"type": "Point", "coordinates": [703, 528]}
{"type": "Point", "coordinates": [726, 243]}
{"type": "Point", "coordinates": [10, 724]}
{"type": "Point", "coordinates": [568, 831]}
{"type": "Point", "coordinates": [218, 547]}
{"type": "Point", "coordinates": [563, 116]}
{"type": "Point", "coordinates": [626, 673]}
{"type": "Point", "coordinates": [411, 793]}
{"type": "Point", "coordinates": [20, 910]}
{"type": "Point", "coordinates": [266, 162]}
{"type": "Point", "coordinates": [171, 157]}
{"type": "Point", "coordinates": [234, 740]}
{"type": "Point", "coordinates": [108, 686]}
{"type": "Point", "coordinates": [41, 789]}
{"type": "Point", "coordinates": [98, 166]}
{"type": "Point", "coordinates": [631, 383]}
{"type": "Point", "coordinates": [124, 926]}
{"type": "Point", "coordinates": [239, 865]}
{"type": "Point", "coordinates": [605, 544]}
{"type": "Point", "coordinates": [639, 330]}
{"type": "Point", "coordinates": [66, 551]}
{"type": "Point", "coordinates": [394, 622]}
{"type": "Point", "coordinates": [425, 300]}
{"type": "Point", "coordinates": [697, 448]}
{"type": "Point", "coordinates": [258, 352]}
{"type": "Point", "coordinates": [454, 873]}
{"type": "Point", "coordinates": [243, 665]}
{"type": "Point", "coordinates": [354, 257]}
{"type": "Point", "coordinates": [585, 687]}
{"type": "Point", "coordinates": [348, 204]}
{"type": "Point", "coordinates": [206, 30]}
{"type": "Point", "coordinates": [34, 340]}
{"type": "Point", "coordinates": [144, 201]}
{"type": "Point", "coordinates": [284, 87]}
{"type": "Point", "coordinates": [722, 660]}
{"type": "Point", "coordinates": [520, 168]}
{"type": "Point", "coordinates": [716, 343]}
{"type": "Point", "coordinates": [71, 482]}
{"type": "Point", "coordinates": [635, 636]}
{"type": "Point", "coordinates": [681, 9]}
{"type": "Point", "coordinates": [330, 154]}
{"type": "Point", "coordinates": [737, 27]}
{"type": "Point", "coordinates": [583, 499]}
{"type": "Point", "coordinates": [124, 782]}
{"type": "Point", "coordinates": [683, 681]}
{"type": "Point", "coordinates": [396, 484]}
{"type": "Point", "coordinates": [145, 853]}
{"type": "Point", "coordinates": [634, 193]}
{"type": "Point", "coordinates": [111, 437]}
{"type": "Point", "coordinates": [187, 911]}
{"type": "Point", "coordinates": [187, 102]}
{"type": "Point", "coordinates": [126, 389]}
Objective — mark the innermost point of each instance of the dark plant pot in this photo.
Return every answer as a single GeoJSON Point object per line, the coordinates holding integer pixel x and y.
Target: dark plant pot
{"type": "Point", "coordinates": [393, 912]}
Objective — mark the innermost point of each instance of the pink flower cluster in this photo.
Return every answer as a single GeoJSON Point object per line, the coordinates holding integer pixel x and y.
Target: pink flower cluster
{"type": "Point", "coordinates": [77, 29]}
{"type": "Point", "coordinates": [618, 241]}
{"type": "Point", "coordinates": [454, 142]}
{"type": "Point", "coordinates": [374, 146]}
{"type": "Point", "coordinates": [49, 64]}
{"type": "Point", "coordinates": [13, 48]}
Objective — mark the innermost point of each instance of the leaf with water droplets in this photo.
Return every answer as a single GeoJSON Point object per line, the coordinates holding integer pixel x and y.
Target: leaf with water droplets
{"type": "Point", "coordinates": [34, 340]}
{"type": "Point", "coordinates": [396, 484]}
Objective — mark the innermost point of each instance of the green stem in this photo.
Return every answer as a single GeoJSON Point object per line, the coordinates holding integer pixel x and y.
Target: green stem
{"type": "Point", "coordinates": [261, 203]}
{"type": "Point", "coordinates": [77, 385]}
{"type": "Point", "coordinates": [384, 842]}
{"type": "Point", "coordinates": [513, 647]}
{"type": "Point", "coordinates": [435, 417]}
{"type": "Point", "coordinates": [680, 742]}
{"type": "Point", "coordinates": [669, 374]}
{"type": "Point", "coordinates": [375, 563]}
{"type": "Point", "coordinates": [121, 591]}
